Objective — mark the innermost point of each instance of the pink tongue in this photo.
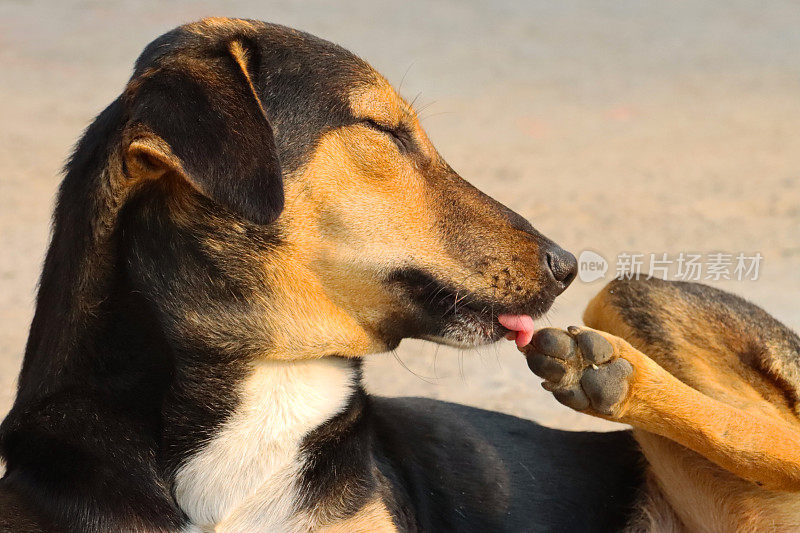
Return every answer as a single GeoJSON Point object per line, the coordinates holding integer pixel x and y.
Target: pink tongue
{"type": "Point", "coordinates": [521, 327]}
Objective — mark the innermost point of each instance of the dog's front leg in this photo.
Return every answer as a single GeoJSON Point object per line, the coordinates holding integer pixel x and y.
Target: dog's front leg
{"type": "Point", "coordinates": [602, 375]}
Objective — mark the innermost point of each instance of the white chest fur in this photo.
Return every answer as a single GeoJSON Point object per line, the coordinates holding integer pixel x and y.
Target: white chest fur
{"type": "Point", "coordinates": [245, 478]}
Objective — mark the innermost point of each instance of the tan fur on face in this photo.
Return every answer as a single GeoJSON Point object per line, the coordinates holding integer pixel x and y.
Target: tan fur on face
{"type": "Point", "coordinates": [381, 103]}
{"type": "Point", "coordinates": [360, 209]}
{"type": "Point", "coordinates": [341, 236]}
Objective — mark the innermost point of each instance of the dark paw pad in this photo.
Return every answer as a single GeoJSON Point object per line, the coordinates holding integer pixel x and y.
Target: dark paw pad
{"type": "Point", "coordinates": [594, 347]}
{"type": "Point", "coordinates": [555, 343]}
{"type": "Point", "coordinates": [606, 385]}
{"type": "Point", "coordinates": [580, 368]}
{"type": "Point", "coordinates": [546, 367]}
{"type": "Point", "coordinates": [572, 397]}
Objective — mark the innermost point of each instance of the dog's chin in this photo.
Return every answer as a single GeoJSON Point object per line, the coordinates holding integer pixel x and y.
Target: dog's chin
{"type": "Point", "coordinates": [448, 315]}
{"type": "Point", "coordinates": [470, 327]}
{"type": "Point", "coordinates": [467, 329]}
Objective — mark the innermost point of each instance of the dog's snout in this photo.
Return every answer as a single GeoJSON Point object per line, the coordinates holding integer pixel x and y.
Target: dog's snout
{"type": "Point", "coordinates": [562, 266]}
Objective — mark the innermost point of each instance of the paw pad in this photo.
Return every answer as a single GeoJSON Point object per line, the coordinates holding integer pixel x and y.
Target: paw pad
{"type": "Point", "coordinates": [555, 343]}
{"type": "Point", "coordinates": [607, 384]}
{"type": "Point", "coordinates": [594, 347]}
{"type": "Point", "coordinates": [572, 397]}
{"type": "Point", "coordinates": [580, 368]}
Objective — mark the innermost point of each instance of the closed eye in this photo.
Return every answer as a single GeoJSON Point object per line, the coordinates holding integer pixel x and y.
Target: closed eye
{"type": "Point", "coordinates": [400, 136]}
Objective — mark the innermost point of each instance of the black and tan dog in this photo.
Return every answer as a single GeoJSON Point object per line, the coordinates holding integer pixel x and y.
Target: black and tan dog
{"type": "Point", "coordinates": [257, 211]}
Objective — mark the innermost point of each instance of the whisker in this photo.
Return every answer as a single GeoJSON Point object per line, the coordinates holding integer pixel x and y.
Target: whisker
{"type": "Point", "coordinates": [414, 100]}
{"type": "Point", "coordinates": [425, 106]}
{"type": "Point", "coordinates": [400, 86]}
{"type": "Point", "coordinates": [423, 378]}
{"type": "Point", "coordinates": [426, 117]}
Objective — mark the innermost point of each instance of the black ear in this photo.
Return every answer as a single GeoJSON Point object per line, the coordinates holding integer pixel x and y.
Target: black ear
{"type": "Point", "coordinates": [198, 114]}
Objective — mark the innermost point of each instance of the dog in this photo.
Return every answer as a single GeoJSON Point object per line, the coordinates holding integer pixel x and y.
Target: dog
{"type": "Point", "coordinates": [256, 212]}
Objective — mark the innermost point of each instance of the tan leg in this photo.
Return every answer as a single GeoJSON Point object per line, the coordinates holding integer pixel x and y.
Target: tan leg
{"type": "Point", "coordinates": [603, 375]}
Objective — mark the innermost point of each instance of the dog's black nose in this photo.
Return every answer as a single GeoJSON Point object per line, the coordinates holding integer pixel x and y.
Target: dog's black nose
{"type": "Point", "coordinates": [563, 266]}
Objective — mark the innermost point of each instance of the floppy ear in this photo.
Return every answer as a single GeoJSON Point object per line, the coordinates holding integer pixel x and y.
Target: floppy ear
{"type": "Point", "coordinates": [198, 115]}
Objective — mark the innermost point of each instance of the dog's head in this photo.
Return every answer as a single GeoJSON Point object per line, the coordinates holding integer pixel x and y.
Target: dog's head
{"type": "Point", "coordinates": [281, 197]}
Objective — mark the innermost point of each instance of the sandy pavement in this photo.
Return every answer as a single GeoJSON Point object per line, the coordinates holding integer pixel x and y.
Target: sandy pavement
{"type": "Point", "coordinates": [618, 126]}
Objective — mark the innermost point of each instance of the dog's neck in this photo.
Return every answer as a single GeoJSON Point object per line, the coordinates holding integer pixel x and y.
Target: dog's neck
{"type": "Point", "coordinates": [248, 475]}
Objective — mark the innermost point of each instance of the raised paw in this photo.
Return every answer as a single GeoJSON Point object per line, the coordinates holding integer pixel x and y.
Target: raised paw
{"type": "Point", "coordinates": [581, 368]}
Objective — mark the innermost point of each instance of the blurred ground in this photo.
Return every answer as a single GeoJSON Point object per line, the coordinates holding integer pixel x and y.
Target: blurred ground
{"type": "Point", "coordinates": [612, 125]}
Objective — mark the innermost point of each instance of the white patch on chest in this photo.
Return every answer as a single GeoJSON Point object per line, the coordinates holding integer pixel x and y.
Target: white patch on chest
{"type": "Point", "coordinates": [246, 475]}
